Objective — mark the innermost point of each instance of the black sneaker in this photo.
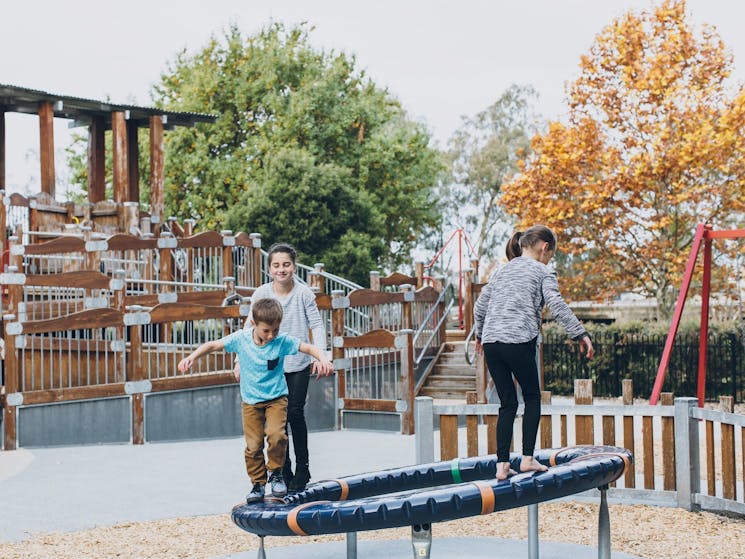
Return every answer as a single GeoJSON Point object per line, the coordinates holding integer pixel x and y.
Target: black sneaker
{"type": "Point", "coordinates": [277, 483]}
{"type": "Point", "coordinates": [256, 494]}
{"type": "Point", "coordinates": [287, 473]}
{"type": "Point", "coordinates": [300, 480]}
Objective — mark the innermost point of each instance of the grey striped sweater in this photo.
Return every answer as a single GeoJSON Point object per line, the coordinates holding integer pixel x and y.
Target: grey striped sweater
{"type": "Point", "coordinates": [510, 306]}
{"type": "Point", "coordinates": [300, 313]}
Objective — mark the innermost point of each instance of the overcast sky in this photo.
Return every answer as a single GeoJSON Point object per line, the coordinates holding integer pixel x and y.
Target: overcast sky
{"type": "Point", "coordinates": [442, 59]}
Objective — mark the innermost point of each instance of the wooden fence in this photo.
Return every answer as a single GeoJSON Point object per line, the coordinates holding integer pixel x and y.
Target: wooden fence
{"type": "Point", "coordinates": [668, 442]}
{"type": "Point", "coordinates": [85, 317]}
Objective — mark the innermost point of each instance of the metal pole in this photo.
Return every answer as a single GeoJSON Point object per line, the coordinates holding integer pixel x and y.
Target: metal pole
{"type": "Point", "coordinates": [533, 531]}
{"type": "Point", "coordinates": [603, 526]}
{"type": "Point", "coordinates": [351, 545]}
{"type": "Point", "coordinates": [421, 540]}
{"type": "Point", "coordinates": [261, 554]}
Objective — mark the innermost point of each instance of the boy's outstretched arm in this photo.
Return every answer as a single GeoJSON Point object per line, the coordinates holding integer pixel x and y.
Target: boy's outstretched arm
{"type": "Point", "coordinates": [323, 367]}
{"type": "Point", "coordinates": [207, 347]}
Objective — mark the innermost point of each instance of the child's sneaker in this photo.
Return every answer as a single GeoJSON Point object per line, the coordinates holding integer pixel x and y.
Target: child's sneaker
{"type": "Point", "coordinates": [256, 494]}
{"type": "Point", "coordinates": [277, 483]}
{"type": "Point", "coordinates": [301, 479]}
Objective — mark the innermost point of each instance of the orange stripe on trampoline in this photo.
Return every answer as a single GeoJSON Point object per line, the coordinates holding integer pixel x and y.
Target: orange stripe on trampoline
{"type": "Point", "coordinates": [487, 496]}
{"type": "Point", "coordinates": [292, 523]}
{"type": "Point", "coordinates": [552, 458]}
{"type": "Point", "coordinates": [344, 488]}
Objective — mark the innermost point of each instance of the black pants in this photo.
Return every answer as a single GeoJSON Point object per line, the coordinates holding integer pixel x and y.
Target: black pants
{"type": "Point", "coordinates": [505, 360]}
{"type": "Point", "coordinates": [297, 386]}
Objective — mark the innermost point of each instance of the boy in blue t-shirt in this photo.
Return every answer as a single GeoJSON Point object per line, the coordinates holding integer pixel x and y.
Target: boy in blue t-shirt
{"type": "Point", "coordinates": [261, 351]}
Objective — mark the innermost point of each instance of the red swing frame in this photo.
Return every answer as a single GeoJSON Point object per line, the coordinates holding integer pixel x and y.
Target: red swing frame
{"type": "Point", "coordinates": [704, 235]}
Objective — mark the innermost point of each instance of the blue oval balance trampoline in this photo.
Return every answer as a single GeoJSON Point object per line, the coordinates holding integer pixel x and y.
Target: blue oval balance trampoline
{"type": "Point", "coordinates": [420, 495]}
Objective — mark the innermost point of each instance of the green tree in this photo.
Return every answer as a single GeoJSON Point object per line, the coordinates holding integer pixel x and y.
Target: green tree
{"type": "Point", "coordinates": [296, 122]}
{"type": "Point", "coordinates": [484, 154]}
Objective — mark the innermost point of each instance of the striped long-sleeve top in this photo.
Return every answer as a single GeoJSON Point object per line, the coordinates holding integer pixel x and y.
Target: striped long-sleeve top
{"type": "Point", "coordinates": [299, 314]}
{"type": "Point", "coordinates": [510, 306]}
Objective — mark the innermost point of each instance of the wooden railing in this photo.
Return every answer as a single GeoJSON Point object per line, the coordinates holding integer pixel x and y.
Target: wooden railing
{"type": "Point", "coordinates": [87, 317]}
{"type": "Point", "coordinates": [668, 442]}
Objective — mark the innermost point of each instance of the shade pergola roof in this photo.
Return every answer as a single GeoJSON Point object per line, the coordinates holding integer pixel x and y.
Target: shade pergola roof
{"type": "Point", "coordinates": [82, 111]}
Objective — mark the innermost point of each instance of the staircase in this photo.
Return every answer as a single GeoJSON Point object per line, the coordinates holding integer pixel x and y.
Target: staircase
{"type": "Point", "coordinates": [451, 376]}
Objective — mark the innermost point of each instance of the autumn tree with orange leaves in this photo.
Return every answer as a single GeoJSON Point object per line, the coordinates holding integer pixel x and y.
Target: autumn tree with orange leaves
{"type": "Point", "coordinates": [654, 144]}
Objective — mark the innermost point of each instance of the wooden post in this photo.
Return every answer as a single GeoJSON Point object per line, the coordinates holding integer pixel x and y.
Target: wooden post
{"type": "Point", "coordinates": [475, 268]}
{"type": "Point", "coordinates": [320, 281]}
{"type": "Point", "coordinates": [406, 306]}
{"type": "Point", "coordinates": [136, 374]}
{"type": "Point", "coordinates": [648, 450]}
{"type": "Point", "coordinates": [133, 168]}
{"type": "Point", "coordinates": [468, 301]}
{"type": "Point", "coordinates": [449, 437]}
{"type": "Point", "coordinates": [374, 280]}
{"type": "Point", "coordinates": [189, 227]}
{"type": "Point", "coordinates": [729, 479]}
{"type": "Point", "coordinates": [547, 438]}
{"type": "Point", "coordinates": [375, 309]}
{"type": "Point", "coordinates": [12, 387]}
{"type": "Point", "coordinates": [96, 160]}
{"type": "Point", "coordinates": [2, 151]}
{"type": "Point", "coordinates": [668, 444]}
{"type": "Point", "coordinates": [228, 242]}
{"type": "Point", "coordinates": [338, 304]}
{"type": "Point", "coordinates": [166, 243]}
{"type": "Point", "coordinates": [129, 217]}
{"type": "Point", "coordinates": [46, 147]}
{"type": "Point", "coordinates": [119, 154]}
{"type": "Point", "coordinates": [3, 223]}
{"type": "Point", "coordinates": [157, 182]}
{"type": "Point", "coordinates": [13, 382]}
{"type": "Point", "coordinates": [419, 273]}
{"type": "Point", "coordinates": [472, 427]}
{"type": "Point", "coordinates": [408, 381]}
{"type": "Point", "coordinates": [313, 281]}
{"type": "Point", "coordinates": [256, 259]}
{"type": "Point", "coordinates": [482, 375]}
{"type": "Point", "coordinates": [583, 424]}
{"type": "Point", "coordinates": [627, 389]}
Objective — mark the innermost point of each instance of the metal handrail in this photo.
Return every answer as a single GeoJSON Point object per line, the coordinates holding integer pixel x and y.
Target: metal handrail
{"type": "Point", "coordinates": [471, 334]}
{"type": "Point", "coordinates": [435, 330]}
{"type": "Point", "coordinates": [440, 298]}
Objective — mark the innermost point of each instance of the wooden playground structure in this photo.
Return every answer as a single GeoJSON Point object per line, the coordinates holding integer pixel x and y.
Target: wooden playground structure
{"type": "Point", "coordinates": [101, 300]}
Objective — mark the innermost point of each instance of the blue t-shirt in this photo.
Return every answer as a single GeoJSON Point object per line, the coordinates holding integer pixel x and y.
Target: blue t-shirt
{"type": "Point", "coordinates": [262, 367]}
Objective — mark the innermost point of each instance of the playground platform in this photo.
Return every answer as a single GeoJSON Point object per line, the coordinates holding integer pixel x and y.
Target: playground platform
{"type": "Point", "coordinates": [77, 486]}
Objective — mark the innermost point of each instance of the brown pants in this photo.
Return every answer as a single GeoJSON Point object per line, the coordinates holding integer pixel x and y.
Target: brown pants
{"type": "Point", "coordinates": [265, 419]}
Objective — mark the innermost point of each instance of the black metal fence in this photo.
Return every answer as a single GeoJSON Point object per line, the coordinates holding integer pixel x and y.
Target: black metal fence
{"type": "Point", "coordinates": [621, 356]}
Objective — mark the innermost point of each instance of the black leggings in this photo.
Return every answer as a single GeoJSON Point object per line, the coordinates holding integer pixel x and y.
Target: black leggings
{"type": "Point", "coordinates": [297, 386]}
{"type": "Point", "coordinates": [505, 360]}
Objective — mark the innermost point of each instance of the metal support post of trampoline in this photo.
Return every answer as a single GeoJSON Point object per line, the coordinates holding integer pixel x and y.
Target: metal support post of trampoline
{"type": "Point", "coordinates": [533, 531]}
{"type": "Point", "coordinates": [261, 554]}
{"type": "Point", "coordinates": [421, 540]}
{"type": "Point", "coordinates": [603, 525]}
{"type": "Point", "coordinates": [351, 545]}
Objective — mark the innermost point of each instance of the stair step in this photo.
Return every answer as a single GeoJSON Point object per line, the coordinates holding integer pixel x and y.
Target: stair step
{"type": "Point", "coordinates": [454, 370]}
{"type": "Point", "coordinates": [450, 385]}
{"type": "Point", "coordinates": [456, 378]}
{"type": "Point", "coordinates": [443, 394]}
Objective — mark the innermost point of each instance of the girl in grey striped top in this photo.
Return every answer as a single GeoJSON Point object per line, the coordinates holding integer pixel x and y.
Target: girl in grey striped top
{"type": "Point", "coordinates": [508, 319]}
{"type": "Point", "coordinates": [300, 316]}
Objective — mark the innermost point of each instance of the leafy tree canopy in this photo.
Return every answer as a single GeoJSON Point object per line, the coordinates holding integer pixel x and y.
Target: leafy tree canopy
{"type": "Point", "coordinates": [655, 143]}
{"type": "Point", "coordinates": [306, 150]}
{"type": "Point", "coordinates": [484, 153]}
